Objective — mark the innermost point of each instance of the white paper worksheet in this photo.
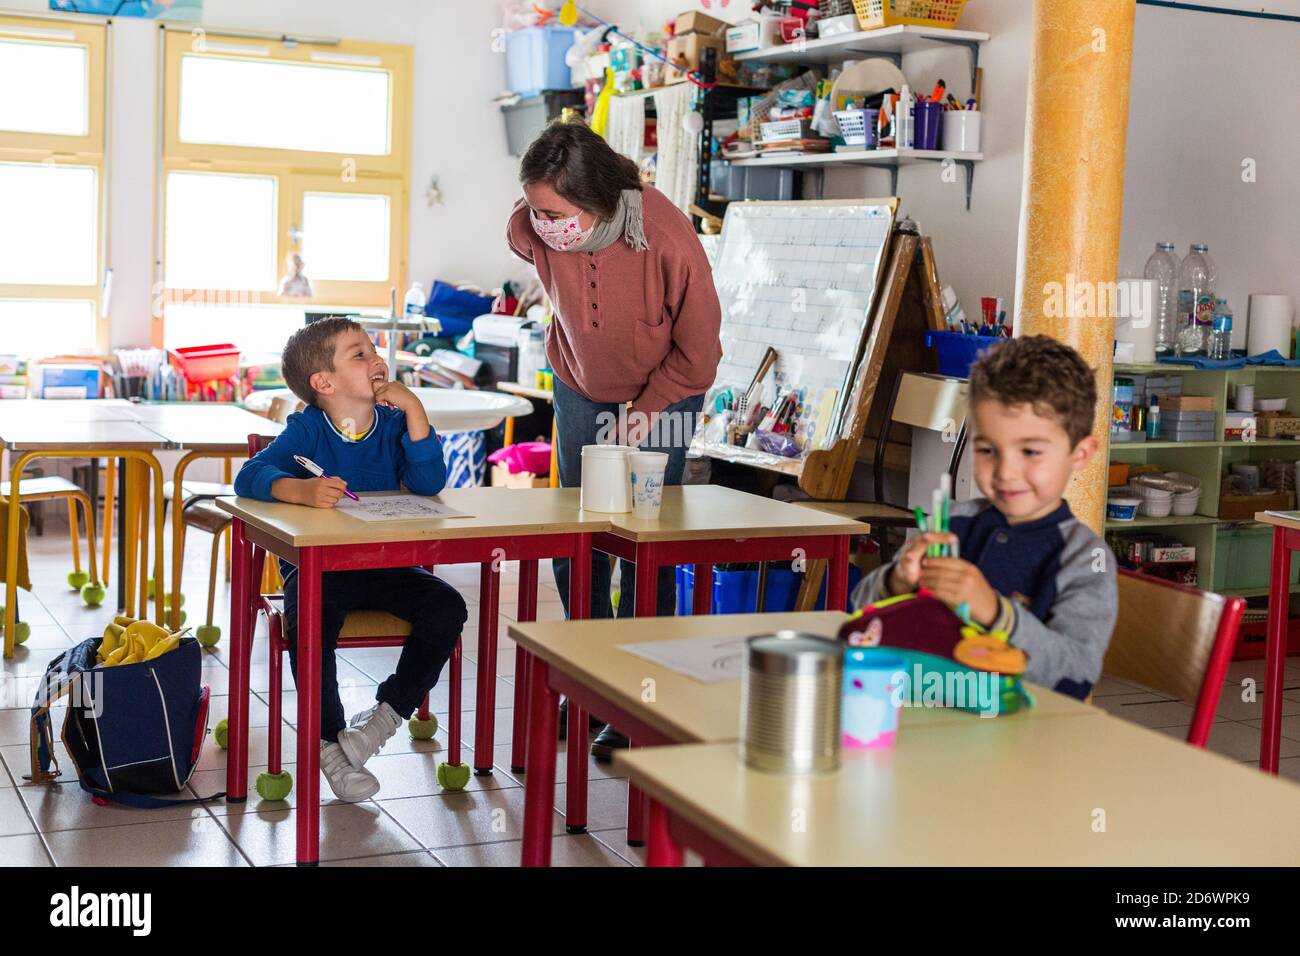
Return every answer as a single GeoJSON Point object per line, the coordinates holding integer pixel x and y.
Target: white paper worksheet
{"type": "Point", "coordinates": [397, 508]}
{"type": "Point", "coordinates": [706, 659]}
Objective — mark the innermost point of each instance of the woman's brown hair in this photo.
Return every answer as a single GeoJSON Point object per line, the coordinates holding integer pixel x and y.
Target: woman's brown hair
{"type": "Point", "coordinates": [580, 166]}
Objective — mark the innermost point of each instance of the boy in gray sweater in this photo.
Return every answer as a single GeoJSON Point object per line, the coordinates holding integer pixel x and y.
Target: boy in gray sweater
{"type": "Point", "coordinates": [1028, 567]}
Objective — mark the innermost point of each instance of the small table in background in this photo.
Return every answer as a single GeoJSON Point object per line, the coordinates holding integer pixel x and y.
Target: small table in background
{"type": "Point", "coordinates": [542, 394]}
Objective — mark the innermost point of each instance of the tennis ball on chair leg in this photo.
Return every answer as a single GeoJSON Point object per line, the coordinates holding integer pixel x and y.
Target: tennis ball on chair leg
{"type": "Point", "coordinates": [274, 786]}
{"type": "Point", "coordinates": [93, 594]}
{"type": "Point", "coordinates": [167, 599]}
{"type": "Point", "coordinates": [222, 734]}
{"type": "Point", "coordinates": [22, 631]}
{"type": "Point", "coordinates": [208, 634]}
{"type": "Point", "coordinates": [453, 776]}
{"type": "Point", "coordinates": [150, 589]}
{"type": "Point", "coordinates": [78, 579]}
{"type": "Point", "coordinates": [422, 729]}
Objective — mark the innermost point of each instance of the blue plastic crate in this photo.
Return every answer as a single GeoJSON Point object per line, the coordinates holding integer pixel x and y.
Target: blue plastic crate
{"type": "Point", "coordinates": [535, 60]}
{"type": "Point", "coordinates": [958, 352]}
{"type": "Point", "coordinates": [736, 592]}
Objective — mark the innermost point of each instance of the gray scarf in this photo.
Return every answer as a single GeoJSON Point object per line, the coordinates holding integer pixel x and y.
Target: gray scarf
{"type": "Point", "coordinates": [627, 223]}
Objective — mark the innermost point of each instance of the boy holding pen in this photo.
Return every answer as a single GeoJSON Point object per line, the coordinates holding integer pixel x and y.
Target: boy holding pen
{"type": "Point", "coordinates": [1028, 567]}
{"type": "Point", "coordinates": [365, 433]}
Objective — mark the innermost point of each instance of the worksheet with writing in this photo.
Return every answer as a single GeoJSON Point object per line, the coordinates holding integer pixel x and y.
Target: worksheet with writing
{"type": "Point", "coordinates": [710, 660]}
{"type": "Point", "coordinates": [397, 508]}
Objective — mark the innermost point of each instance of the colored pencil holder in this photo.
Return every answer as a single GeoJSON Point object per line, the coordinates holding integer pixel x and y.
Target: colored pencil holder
{"type": "Point", "coordinates": [872, 698]}
{"type": "Point", "coordinates": [961, 131]}
{"type": "Point", "coordinates": [928, 118]}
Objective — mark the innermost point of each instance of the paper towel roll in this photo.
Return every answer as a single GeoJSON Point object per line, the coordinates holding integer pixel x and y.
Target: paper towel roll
{"type": "Point", "coordinates": [1135, 318]}
{"type": "Point", "coordinates": [1270, 324]}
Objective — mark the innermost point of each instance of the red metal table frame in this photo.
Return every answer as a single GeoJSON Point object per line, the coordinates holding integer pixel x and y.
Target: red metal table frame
{"type": "Point", "coordinates": [249, 548]}
{"type": "Point", "coordinates": [545, 683]}
{"type": "Point", "coordinates": [1285, 540]}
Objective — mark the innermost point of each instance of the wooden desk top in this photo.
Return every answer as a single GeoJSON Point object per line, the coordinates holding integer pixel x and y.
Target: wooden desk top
{"type": "Point", "coordinates": [21, 412]}
{"type": "Point", "coordinates": [37, 435]}
{"type": "Point", "coordinates": [1001, 792]}
{"type": "Point", "coordinates": [206, 427]}
{"type": "Point", "coordinates": [494, 512]}
{"type": "Point", "coordinates": [527, 391]}
{"type": "Point", "coordinates": [705, 512]}
{"type": "Point", "coordinates": [685, 709]}
{"type": "Point", "coordinates": [1265, 518]}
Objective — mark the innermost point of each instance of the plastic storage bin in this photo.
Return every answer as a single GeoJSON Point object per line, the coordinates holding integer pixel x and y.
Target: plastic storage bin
{"type": "Point", "coordinates": [736, 592]}
{"type": "Point", "coordinates": [1241, 559]}
{"type": "Point", "coordinates": [957, 352]}
{"type": "Point", "coordinates": [873, 14]}
{"type": "Point", "coordinates": [206, 363]}
{"type": "Point", "coordinates": [535, 60]}
{"type": "Point", "coordinates": [773, 184]}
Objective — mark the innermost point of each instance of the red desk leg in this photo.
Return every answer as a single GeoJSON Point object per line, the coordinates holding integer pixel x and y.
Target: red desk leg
{"type": "Point", "coordinates": [702, 595]}
{"type": "Point", "coordinates": [241, 650]}
{"type": "Point", "coordinates": [527, 612]}
{"type": "Point", "coordinates": [1279, 596]}
{"type": "Point", "coordinates": [575, 801]}
{"type": "Point", "coordinates": [837, 588]}
{"type": "Point", "coordinates": [309, 693]}
{"type": "Point", "coordinates": [539, 782]}
{"type": "Point", "coordinates": [486, 701]}
{"type": "Point", "coordinates": [662, 850]}
{"type": "Point", "coordinates": [647, 592]}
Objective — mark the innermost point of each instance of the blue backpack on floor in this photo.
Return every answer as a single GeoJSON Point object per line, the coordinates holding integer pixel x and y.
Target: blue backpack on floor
{"type": "Point", "coordinates": [132, 730]}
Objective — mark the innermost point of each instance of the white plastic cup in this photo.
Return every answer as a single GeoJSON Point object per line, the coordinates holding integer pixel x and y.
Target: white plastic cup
{"type": "Point", "coordinates": [647, 483]}
{"type": "Point", "coordinates": [606, 479]}
{"type": "Point", "coordinates": [961, 131]}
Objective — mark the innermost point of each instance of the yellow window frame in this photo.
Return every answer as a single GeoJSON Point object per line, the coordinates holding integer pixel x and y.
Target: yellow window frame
{"type": "Point", "coordinates": [296, 171]}
{"type": "Point", "coordinates": [86, 150]}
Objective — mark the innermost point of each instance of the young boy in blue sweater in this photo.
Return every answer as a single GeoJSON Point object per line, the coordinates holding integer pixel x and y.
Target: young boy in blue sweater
{"type": "Point", "coordinates": [1027, 566]}
{"type": "Point", "coordinates": [367, 434]}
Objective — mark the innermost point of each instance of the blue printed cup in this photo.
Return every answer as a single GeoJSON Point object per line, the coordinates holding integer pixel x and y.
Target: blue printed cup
{"type": "Point", "coordinates": [647, 470]}
{"type": "Point", "coordinates": [871, 698]}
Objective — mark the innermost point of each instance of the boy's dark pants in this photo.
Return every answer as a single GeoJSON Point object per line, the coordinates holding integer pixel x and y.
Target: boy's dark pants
{"type": "Point", "coordinates": [436, 613]}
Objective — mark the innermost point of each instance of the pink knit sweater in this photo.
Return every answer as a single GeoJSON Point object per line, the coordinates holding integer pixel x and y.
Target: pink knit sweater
{"type": "Point", "coordinates": [638, 327]}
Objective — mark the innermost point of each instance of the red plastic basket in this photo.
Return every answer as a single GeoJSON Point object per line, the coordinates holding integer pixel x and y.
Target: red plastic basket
{"type": "Point", "coordinates": [206, 363]}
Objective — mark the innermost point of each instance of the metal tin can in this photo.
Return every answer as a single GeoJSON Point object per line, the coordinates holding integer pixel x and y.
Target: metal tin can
{"type": "Point", "coordinates": [790, 703]}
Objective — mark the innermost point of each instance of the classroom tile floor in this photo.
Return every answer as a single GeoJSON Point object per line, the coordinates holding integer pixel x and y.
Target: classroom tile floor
{"type": "Point", "coordinates": [411, 822]}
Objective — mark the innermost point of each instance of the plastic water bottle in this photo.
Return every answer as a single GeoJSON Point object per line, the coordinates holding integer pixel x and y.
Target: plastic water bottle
{"type": "Point", "coordinates": [1221, 337]}
{"type": "Point", "coordinates": [1196, 277]}
{"type": "Point", "coordinates": [1163, 267]}
{"type": "Point", "coordinates": [1153, 418]}
{"type": "Point", "coordinates": [415, 301]}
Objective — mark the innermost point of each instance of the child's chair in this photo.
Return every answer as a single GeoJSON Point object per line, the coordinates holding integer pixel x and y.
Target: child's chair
{"type": "Point", "coordinates": [360, 629]}
{"type": "Point", "coordinates": [47, 488]}
{"type": "Point", "coordinates": [1175, 639]}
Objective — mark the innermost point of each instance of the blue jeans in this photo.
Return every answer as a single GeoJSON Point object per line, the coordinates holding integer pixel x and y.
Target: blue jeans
{"type": "Point", "coordinates": [577, 424]}
{"type": "Point", "coordinates": [436, 613]}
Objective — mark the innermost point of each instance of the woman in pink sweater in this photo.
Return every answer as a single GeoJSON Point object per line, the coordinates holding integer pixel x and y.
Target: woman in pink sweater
{"type": "Point", "coordinates": [634, 342]}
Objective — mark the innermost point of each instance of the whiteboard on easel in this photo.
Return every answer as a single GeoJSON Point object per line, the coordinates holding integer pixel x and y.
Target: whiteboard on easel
{"type": "Point", "coordinates": [802, 278]}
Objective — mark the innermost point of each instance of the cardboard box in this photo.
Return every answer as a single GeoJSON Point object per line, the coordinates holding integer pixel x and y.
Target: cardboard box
{"type": "Point", "coordinates": [687, 52]}
{"type": "Point", "coordinates": [70, 381]}
{"type": "Point", "coordinates": [692, 21]}
{"type": "Point", "coordinates": [756, 34]}
{"type": "Point", "coordinates": [1277, 426]}
{"type": "Point", "coordinates": [1244, 507]}
{"type": "Point", "coordinates": [1187, 403]}
{"type": "Point", "coordinates": [502, 478]}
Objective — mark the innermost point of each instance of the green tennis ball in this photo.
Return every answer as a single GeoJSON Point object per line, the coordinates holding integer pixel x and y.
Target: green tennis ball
{"type": "Point", "coordinates": [167, 599]}
{"type": "Point", "coordinates": [613, 599]}
{"type": "Point", "coordinates": [453, 776]}
{"type": "Point", "coordinates": [182, 619]}
{"type": "Point", "coordinates": [93, 595]}
{"type": "Point", "coordinates": [23, 630]}
{"type": "Point", "coordinates": [221, 733]}
{"type": "Point", "coordinates": [423, 729]}
{"type": "Point", "coordinates": [151, 589]}
{"type": "Point", "coordinates": [274, 786]}
{"type": "Point", "coordinates": [77, 579]}
{"type": "Point", "coordinates": [208, 634]}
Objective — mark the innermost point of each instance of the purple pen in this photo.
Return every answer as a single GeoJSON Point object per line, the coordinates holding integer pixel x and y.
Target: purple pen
{"type": "Point", "coordinates": [319, 472]}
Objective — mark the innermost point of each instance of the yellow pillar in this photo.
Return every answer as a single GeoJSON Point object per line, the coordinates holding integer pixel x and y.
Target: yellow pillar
{"type": "Point", "coordinates": [1072, 207]}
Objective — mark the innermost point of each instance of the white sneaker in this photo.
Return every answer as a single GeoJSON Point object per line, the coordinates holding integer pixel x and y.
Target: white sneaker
{"type": "Point", "coordinates": [348, 782]}
{"type": "Point", "coordinates": [367, 732]}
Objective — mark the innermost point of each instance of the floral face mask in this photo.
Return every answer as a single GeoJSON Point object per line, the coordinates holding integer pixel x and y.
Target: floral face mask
{"type": "Point", "coordinates": [560, 234]}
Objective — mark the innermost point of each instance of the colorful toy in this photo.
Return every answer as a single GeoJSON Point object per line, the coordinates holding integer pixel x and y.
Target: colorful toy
{"type": "Point", "coordinates": [944, 656]}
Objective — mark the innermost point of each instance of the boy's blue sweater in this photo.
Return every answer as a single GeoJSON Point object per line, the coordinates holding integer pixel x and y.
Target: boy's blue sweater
{"type": "Point", "coordinates": [385, 459]}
